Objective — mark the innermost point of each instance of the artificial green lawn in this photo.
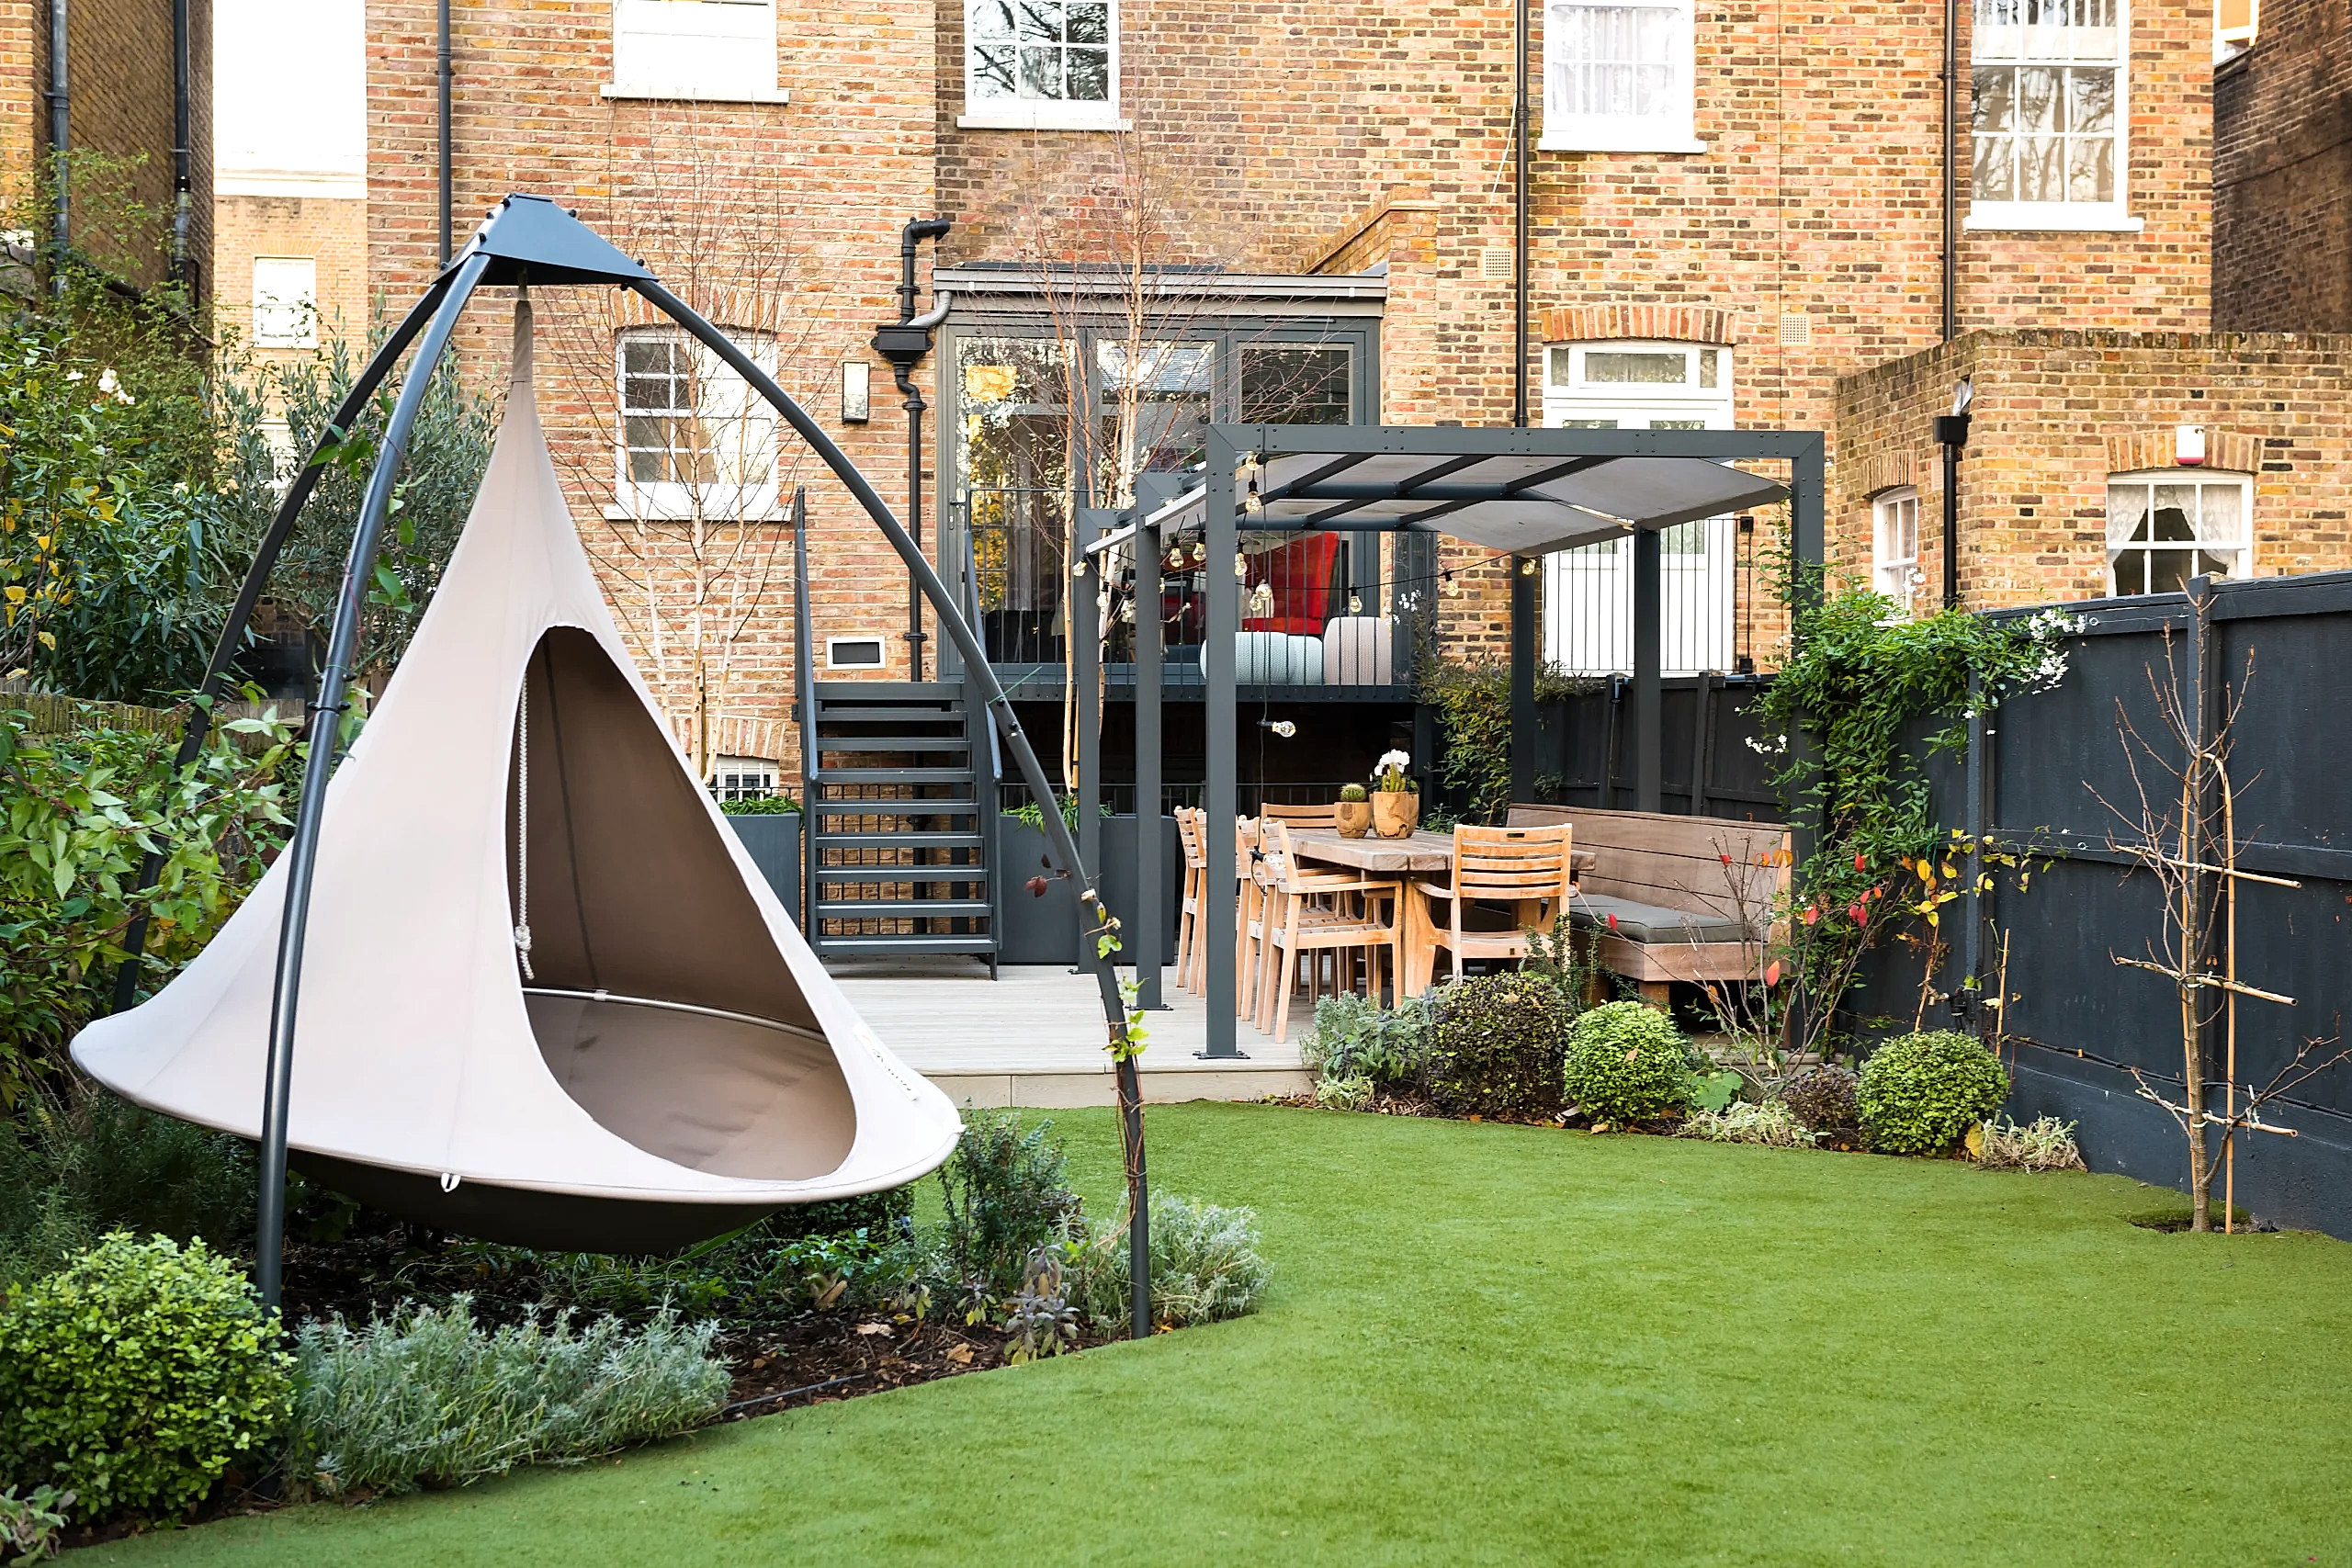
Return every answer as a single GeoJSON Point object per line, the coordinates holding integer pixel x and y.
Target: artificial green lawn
{"type": "Point", "coordinates": [1491, 1343]}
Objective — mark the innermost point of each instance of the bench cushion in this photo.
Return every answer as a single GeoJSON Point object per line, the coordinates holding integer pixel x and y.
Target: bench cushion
{"type": "Point", "coordinates": [1651, 922]}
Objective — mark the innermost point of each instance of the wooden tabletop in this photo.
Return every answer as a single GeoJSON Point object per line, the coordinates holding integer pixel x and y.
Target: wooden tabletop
{"type": "Point", "coordinates": [1423, 851]}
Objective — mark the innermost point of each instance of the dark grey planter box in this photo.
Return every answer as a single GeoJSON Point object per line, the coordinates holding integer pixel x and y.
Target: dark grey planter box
{"type": "Point", "coordinates": [774, 846]}
{"type": "Point", "coordinates": [1044, 930]}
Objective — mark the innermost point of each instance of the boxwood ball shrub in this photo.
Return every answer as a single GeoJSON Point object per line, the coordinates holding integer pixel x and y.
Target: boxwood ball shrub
{"type": "Point", "coordinates": [1920, 1093]}
{"type": "Point", "coordinates": [1494, 1047]}
{"type": "Point", "coordinates": [136, 1375]}
{"type": "Point", "coordinates": [1626, 1063]}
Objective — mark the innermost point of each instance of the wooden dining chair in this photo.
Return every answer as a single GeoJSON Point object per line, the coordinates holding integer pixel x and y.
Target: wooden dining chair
{"type": "Point", "coordinates": [1249, 924]}
{"type": "Point", "coordinates": [1302, 815]}
{"type": "Point", "coordinates": [1528, 868]}
{"type": "Point", "coordinates": [1299, 927]}
{"type": "Point", "coordinates": [1188, 916]}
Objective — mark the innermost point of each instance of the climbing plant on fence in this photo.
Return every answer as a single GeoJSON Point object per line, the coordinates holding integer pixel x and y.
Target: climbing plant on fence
{"type": "Point", "coordinates": [1856, 678]}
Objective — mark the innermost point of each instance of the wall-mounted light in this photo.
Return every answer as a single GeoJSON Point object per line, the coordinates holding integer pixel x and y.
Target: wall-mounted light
{"type": "Point", "coordinates": [857, 391]}
{"type": "Point", "coordinates": [2188, 445]}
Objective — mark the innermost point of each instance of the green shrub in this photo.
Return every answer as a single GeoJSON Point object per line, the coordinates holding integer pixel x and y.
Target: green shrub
{"type": "Point", "coordinates": [1354, 1037]}
{"type": "Point", "coordinates": [29, 1525]}
{"type": "Point", "coordinates": [1919, 1094]}
{"type": "Point", "coordinates": [136, 1375]}
{"type": "Point", "coordinates": [1824, 1098]}
{"type": "Point", "coordinates": [2045, 1144]}
{"type": "Point", "coordinates": [761, 806]}
{"type": "Point", "coordinates": [80, 1164]}
{"type": "Point", "coordinates": [1343, 1094]}
{"type": "Point", "coordinates": [428, 1398]}
{"type": "Point", "coordinates": [1495, 1047]}
{"type": "Point", "coordinates": [1205, 1266]}
{"type": "Point", "coordinates": [1626, 1063]}
{"type": "Point", "coordinates": [1770, 1123]}
{"type": "Point", "coordinates": [1006, 1196]}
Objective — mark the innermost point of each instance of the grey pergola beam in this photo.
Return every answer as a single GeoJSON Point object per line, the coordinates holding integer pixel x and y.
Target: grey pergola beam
{"type": "Point", "coordinates": [1213, 927]}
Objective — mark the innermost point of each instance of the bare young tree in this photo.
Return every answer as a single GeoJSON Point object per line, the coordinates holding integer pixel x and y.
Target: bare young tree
{"type": "Point", "coordinates": [687, 454]}
{"type": "Point", "coordinates": [2182, 830]}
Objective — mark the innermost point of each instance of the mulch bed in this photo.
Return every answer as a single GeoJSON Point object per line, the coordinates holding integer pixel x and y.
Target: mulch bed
{"type": "Point", "coordinates": [823, 1356]}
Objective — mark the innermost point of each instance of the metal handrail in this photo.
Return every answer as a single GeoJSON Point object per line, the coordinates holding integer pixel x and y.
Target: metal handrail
{"type": "Point", "coordinates": [804, 675]}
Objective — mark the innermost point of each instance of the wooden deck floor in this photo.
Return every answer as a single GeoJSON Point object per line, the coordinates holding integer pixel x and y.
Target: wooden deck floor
{"type": "Point", "coordinates": [1033, 1036]}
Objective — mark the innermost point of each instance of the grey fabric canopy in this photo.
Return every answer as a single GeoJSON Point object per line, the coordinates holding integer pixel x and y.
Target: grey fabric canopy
{"type": "Point", "coordinates": [549, 998]}
{"type": "Point", "coordinates": [1518, 503]}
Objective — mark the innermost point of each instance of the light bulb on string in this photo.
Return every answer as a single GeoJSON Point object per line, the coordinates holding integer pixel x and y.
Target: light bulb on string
{"type": "Point", "coordinates": [1527, 568]}
{"type": "Point", "coordinates": [1356, 604]}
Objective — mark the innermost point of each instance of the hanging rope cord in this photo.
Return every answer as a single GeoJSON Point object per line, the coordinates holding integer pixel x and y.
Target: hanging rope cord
{"type": "Point", "coordinates": [523, 832]}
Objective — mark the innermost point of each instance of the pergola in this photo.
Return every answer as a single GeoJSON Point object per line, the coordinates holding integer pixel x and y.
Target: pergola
{"type": "Point", "coordinates": [1524, 492]}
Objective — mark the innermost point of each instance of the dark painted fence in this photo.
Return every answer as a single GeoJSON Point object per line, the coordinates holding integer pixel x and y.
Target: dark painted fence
{"type": "Point", "coordinates": [1584, 748]}
{"type": "Point", "coordinates": [2034, 778]}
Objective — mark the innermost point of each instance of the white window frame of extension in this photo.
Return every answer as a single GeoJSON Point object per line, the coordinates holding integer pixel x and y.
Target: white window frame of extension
{"type": "Point", "coordinates": [1573, 391]}
{"type": "Point", "coordinates": [1576, 79]}
{"type": "Point", "coordinates": [280, 321]}
{"type": "Point", "coordinates": [2234, 543]}
{"type": "Point", "coordinates": [694, 51]}
{"type": "Point", "coordinates": [1023, 111]}
{"type": "Point", "coordinates": [1895, 575]}
{"type": "Point", "coordinates": [744, 778]}
{"type": "Point", "coordinates": [719, 397]}
{"type": "Point", "coordinates": [2012, 37]}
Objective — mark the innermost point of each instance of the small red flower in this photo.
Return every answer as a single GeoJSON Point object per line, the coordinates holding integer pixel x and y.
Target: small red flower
{"type": "Point", "coordinates": [1811, 914]}
{"type": "Point", "coordinates": [1860, 863]}
{"type": "Point", "coordinates": [1612, 922]}
{"type": "Point", "coordinates": [1855, 911]}
{"type": "Point", "coordinates": [1726, 859]}
{"type": "Point", "coordinates": [1036, 885]}
{"type": "Point", "coordinates": [1773, 973]}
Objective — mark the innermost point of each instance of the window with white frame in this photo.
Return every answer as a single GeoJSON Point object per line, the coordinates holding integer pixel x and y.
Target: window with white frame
{"type": "Point", "coordinates": [2047, 127]}
{"type": "Point", "coordinates": [722, 50]}
{"type": "Point", "coordinates": [1617, 76]}
{"type": "Point", "coordinates": [1041, 64]}
{"type": "Point", "coordinates": [2164, 528]}
{"type": "Point", "coordinates": [695, 439]}
{"type": "Point", "coordinates": [1587, 599]}
{"type": "Point", "coordinates": [1894, 547]}
{"type": "Point", "coordinates": [285, 302]}
{"type": "Point", "coordinates": [742, 778]}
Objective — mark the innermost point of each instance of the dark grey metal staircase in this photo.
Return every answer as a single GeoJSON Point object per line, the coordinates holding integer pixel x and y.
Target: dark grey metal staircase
{"type": "Point", "coordinates": [898, 802]}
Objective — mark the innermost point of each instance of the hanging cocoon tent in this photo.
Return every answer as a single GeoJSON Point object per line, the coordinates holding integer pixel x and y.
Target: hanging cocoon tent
{"type": "Point", "coordinates": [546, 998]}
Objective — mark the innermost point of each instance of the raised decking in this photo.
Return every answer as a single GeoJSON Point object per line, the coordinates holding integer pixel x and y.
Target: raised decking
{"type": "Point", "coordinates": [1033, 1036]}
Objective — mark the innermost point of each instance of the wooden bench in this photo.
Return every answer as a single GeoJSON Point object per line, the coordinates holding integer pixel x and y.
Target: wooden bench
{"type": "Point", "coordinates": [1675, 905]}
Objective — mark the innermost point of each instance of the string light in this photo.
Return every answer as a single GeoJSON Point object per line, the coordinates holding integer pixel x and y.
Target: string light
{"type": "Point", "coordinates": [1527, 568]}
{"type": "Point", "coordinates": [1356, 604]}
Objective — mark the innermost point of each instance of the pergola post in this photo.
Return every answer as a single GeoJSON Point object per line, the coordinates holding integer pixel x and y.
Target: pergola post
{"type": "Point", "coordinates": [1215, 926]}
{"type": "Point", "coordinates": [1522, 678]}
{"type": "Point", "coordinates": [1649, 728]}
{"type": "Point", "coordinates": [1086, 579]}
{"type": "Point", "coordinates": [1151, 893]}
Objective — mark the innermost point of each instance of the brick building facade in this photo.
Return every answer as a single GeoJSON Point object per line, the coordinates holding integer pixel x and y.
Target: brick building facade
{"type": "Point", "coordinates": [2282, 174]}
{"type": "Point", "coordinates": [1762, 221]}
{"type": "Point", "coordinates": [120, 100]}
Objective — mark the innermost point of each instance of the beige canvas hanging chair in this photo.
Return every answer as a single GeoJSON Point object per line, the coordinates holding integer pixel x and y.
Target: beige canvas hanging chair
{"type": "Point", "coordinates": [546, 998]}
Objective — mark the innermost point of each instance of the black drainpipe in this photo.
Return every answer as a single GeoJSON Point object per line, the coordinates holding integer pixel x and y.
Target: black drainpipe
{"type": "Point", "coordinates": [1519, 214]}
{"type": "Point", "coordinates": [904, 343]}
{"type": "Point", "coordinates": [1952, 174]}
{"type": "Point", "coordinates": [58, 128]}
{"type": "Point", "coordinates": [444, 61]}
{"type": "Point", "coordinates": [182, 184]}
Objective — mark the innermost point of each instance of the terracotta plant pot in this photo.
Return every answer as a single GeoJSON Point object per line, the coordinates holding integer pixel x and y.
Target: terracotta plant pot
{"type": "Point", "coordinates": [1396, 812]}
{"type": "Point", "coordinates": [1354, 818]}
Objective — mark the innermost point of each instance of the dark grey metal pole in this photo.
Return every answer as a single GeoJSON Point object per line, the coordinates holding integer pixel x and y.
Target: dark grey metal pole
{"type": "Point", "coordinates": [803, 685]}
{"type": "Point", "coordinates": [441, 61]}
{"type": "Point", "coordinates": [302, 852]}
{"type": "Point", "coordinates": [1151, 915]}
{"type": "Point", "coordinates": [1649, 725]}
{"type": "Point", "coordinates": [183, 180]}
{"type": "Point", "coordinates": [1214, 924]}
{"type": "Point", "coordinates": [1520, 163]}
{"type": "Point", "coordinates": [1522, 678]}
{"type": "Point", "coordinates": [60, 126]}
{"type": "Point", "coordinates": [1058, 843]}
{"type": "Point", "coordinates": [1086, 675]}
{"type": "Point", "coordinates": [233, 633]}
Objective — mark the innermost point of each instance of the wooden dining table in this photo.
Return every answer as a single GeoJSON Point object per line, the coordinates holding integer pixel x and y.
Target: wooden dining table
{"type": "Point", "coordinates": [1422, 855]}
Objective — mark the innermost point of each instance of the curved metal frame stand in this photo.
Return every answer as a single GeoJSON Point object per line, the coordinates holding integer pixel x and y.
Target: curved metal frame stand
{"type": "Point", "coordinates": [530, 240]}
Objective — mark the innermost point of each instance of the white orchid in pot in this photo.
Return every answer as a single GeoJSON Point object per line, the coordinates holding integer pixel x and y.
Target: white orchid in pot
{"type": "Point", "coordinates": [1395, 799]}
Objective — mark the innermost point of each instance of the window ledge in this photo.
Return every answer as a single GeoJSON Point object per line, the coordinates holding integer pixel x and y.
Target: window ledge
{"type": "Point", "coordinates": [614, 511]}
{"type": "Point", "coordinates": [692, 96]}
{"type": "Point", "coordinates": [1573, 143]}
{"type": "Point", "coordinates": [1042, 115]}
{"type": "Point", "coordinates": [2052, 217]}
